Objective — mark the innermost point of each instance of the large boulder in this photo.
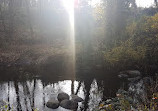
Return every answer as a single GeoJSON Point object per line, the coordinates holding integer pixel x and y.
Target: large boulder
{"type": "Point", "coordinates": [76, 98]}
{"type": "Point", "coordinates": [69, 104]}
{"type": "Point", "coordinates": [62, 96]}
{"type": "Point", "coordinates": [53, 104]}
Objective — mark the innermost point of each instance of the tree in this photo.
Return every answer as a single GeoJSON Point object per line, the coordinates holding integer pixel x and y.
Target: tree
{"type": "Point", "coordinates": [140, 48]}
{"type": "Point", "coordinates": [155, 2]}
{"type": "Point", "coordinates": [29, 15]}
{"type": "Point", "coordinates": [117, 13]}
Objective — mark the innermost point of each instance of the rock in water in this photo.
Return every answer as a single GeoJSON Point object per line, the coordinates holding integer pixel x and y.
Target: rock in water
{"type": "Point", "coordinates": [129, 74]}
{"type": "Point", "coordinates": [135, 79]}
{"type": "Point", "coordinates": [62, 96]}
{"type": "Point", "coordinates": [69, 104]}
{"type": "Point", "coordinates": [76, 98]}
{"type": "Point", "coordinates": [123, 76]}
{"type": "Point", "coordinates": [134, 73]}
{"type": "Point", "coordinates": [53, 104]}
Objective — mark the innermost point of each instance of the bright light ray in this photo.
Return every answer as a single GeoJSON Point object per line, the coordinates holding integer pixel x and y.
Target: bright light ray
{"type": "Point", "coordinates": [69, 7]}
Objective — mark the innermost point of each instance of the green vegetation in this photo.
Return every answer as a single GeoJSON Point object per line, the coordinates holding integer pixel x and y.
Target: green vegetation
{"type": "Point", "coordinates": [6, 107]}
{"type": "Point", "coordinates": [139, 48]}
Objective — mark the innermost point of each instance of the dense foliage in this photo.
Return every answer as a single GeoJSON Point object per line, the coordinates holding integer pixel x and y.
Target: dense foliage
{"type": "Point", "coordinates": [127, 34]}
{"type": "Point", "coordinates": [140, 46]}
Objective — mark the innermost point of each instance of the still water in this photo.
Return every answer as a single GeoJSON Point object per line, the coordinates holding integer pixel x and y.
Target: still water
{"type": "Point", "coordinates": [24, 90]}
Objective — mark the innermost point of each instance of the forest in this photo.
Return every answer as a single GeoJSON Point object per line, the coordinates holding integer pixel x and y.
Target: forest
{"type": "Point", "coordinates": [103, 40]}
{"type": "Point", "coordinates": [124, 34]}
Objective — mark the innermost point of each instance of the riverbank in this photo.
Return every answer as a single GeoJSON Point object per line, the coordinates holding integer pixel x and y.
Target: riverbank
{"type": "Point", "coordinates": [140, 96]}
{"type": "Point", "coordinates": [34, 54]}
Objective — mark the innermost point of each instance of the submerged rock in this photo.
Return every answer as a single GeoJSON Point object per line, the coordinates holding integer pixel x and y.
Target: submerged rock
{"type": "Point", "coordinates": [69, 104]}
{"type": "Point", "coordinates": [53, 104]}
{"type": "Point", "coordinates": [62, 96]}
{"type": "Point", "coordinates": [76, 98]}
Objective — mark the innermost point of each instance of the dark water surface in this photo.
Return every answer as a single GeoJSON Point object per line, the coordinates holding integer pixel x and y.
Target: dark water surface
{"type": "Point", "coordinates": [25, 90]}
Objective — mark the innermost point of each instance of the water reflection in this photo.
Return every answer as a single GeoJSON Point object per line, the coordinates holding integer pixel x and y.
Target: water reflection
{"type": "Point", "coordinates": [34, 93]}
{"type": "Point", "coordinates": [96, 95]}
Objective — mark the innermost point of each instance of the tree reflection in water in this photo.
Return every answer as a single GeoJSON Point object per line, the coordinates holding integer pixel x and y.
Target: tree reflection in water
{"type": "Point", "coordinates": [34, 93]}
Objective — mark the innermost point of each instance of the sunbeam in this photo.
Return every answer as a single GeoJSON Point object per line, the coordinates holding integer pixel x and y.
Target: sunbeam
{"type": "Point", "coordinates": [69, 7]}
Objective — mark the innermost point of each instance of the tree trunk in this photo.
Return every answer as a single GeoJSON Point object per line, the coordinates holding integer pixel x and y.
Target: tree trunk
{"type": "Point", "coordinates": [11, 19]}
{"type": "Point", "coordinates": [29, 17]}
{"type": "Point", "coordinates": [155, 2]}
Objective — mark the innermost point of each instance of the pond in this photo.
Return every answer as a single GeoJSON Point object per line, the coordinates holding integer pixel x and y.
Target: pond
{"type": "Point", "coordinates": [26, 90]}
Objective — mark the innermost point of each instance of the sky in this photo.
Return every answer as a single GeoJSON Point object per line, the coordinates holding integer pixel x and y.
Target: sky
{"type": "Point", "coordinates": [144, 3]}
{"type": "Point", "coordinates": [140, 3]}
